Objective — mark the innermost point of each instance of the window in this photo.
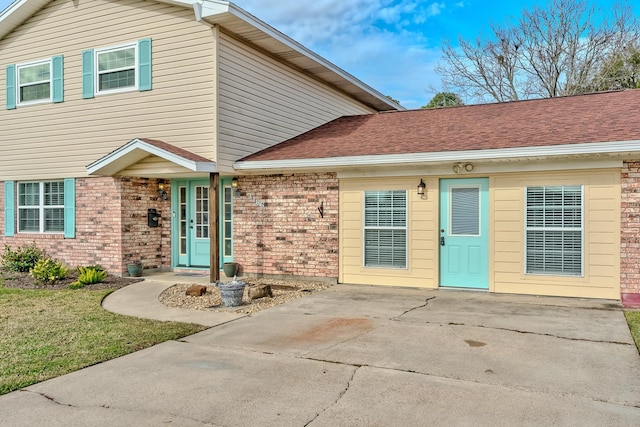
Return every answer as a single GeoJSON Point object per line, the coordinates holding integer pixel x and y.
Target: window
{"type": "Point", "coordinates": [385, 229]}
{"type": "Point", "coordinates": [117, 69]}
{"type": "Point", "coordinates": [35, 82]}
{"type": "Point", "coordinates": [41, 207]}
{"type": "Point", "coordinates": [554, 230]}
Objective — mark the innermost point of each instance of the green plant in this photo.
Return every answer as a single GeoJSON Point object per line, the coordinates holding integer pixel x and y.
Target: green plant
{"type": "Point", "coordinates": [23, 258]}
{"type": "Point", "coordinates": [47, 271]}
{"type": "Point", "coordinates": [88, 276]}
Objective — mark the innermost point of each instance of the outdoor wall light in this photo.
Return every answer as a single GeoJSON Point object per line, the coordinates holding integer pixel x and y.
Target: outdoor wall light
{"type": "Point", "coordinates": [421, 187]}
{"type": "Point", "coordinates": [161, 192]}
{"type": "Point", "coordinates": [234, 183]}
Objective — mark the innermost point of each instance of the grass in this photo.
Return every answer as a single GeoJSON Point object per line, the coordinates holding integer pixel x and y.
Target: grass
{"type": "Point", "coordinates": [633, 319]}
{"type": "Point", "coordinates": [48, 333]}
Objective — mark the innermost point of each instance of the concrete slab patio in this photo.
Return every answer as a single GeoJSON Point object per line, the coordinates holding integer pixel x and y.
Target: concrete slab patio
{"type": "Point", "coordinates": [365, 356]}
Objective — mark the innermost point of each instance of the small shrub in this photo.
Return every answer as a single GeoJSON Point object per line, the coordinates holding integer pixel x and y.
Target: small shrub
{"type": "Point", "coordinates": [95, 267]}
{"type": "Point", "coordinates": [23, 258]}
{"type": "Point", "coordinates": [47, 271]}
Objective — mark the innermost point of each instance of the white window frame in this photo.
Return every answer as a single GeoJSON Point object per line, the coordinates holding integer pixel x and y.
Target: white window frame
{"type": "Point", "coordinates": [97, 73]}
{"type": "Point", "coordinates": [19, 100]}
{"type": "Point", "coordinates": [366, 227]}
{"type": "Point", "coordinates": [40, 207]}
{"type": "Point", "coordinates": [580, 229]}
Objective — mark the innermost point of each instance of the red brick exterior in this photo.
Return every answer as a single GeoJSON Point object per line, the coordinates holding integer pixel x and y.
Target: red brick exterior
{"type": "Point", "coordinates": [630, 234]}
{"type": "Point", "coordinates": [278, 229]}
{"type": "Point", "coordinates": [111, 226]}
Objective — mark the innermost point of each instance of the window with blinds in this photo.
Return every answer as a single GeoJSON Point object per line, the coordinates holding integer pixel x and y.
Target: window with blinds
{"type": "Point", "coordinates": [385, 229]}
{"type": "Point", "coordinates": [554, 230]}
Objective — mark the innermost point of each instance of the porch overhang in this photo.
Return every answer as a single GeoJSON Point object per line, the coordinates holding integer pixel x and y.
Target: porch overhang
{"type": "Point", "coordinates": [138, 149]}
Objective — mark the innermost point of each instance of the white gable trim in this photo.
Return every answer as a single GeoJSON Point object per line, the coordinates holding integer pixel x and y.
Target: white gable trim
{"type": "Point", "coordinates": [596, 148]}
{"type": "Point", "coordinates": [136, 150]}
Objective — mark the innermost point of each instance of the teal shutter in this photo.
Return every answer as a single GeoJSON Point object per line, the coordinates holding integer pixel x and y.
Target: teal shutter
{"type": "Point", "coordinates": [87, 74]}
{"type": "Point", "coordinates": [58, 78]}
{"type": "Point", "coordinates": [144, 64]}
{"type": "Point", "coordinates": [11, 87]}
{"type": "Point", "coordinates": [9, 208]}
{"type": "Point", "coordinates": [70, 208]}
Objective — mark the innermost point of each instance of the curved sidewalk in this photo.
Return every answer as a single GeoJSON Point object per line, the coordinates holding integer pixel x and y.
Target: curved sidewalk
{"type": "Point", "coordinates": [141, 300]}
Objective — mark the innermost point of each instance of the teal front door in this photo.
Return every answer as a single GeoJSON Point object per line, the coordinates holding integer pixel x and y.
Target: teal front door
{"type": "Point", "coordinates": [191, 222]}
{"type": "Point", "coordinates": [192, 205]}
{"type": "Point", "coordinates": [464, 233]}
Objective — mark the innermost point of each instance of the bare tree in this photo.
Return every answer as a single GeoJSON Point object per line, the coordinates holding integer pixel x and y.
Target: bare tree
{"type": "Point", "coordinates": [550, 52]}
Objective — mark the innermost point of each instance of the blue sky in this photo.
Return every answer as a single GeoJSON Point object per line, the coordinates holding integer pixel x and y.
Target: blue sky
{"type": "Point", "coordinates": [392, 45]}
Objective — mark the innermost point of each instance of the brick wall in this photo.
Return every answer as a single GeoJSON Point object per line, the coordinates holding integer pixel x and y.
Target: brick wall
{"type": "Point", "coordinates": [111, 226]}
{"type": "Point", "coordinates": [630, 236]}
{"type": "Point", "coordinates": [278, 229]}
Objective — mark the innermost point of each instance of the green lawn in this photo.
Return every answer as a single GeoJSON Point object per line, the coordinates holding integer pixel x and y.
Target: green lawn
{"type": "Point", "coordinates": [633, 319]}
{"type": "Point", "coordinates": [48, 333]}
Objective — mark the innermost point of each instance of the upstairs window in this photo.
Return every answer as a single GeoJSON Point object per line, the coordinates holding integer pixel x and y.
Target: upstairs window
{"type": "Point", "coordinates": [35, 82]}
{"type": "Point", "coordinates": [385, 229]}
{"type": "Point", "coordinates": [554, 230]}
{"type": "Point", "coordinates": [116, 68]}
{"type": "Point", "coordinates": [120, 68]}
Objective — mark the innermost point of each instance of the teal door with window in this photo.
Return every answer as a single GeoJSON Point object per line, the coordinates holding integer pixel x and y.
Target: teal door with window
{"type": "Point", "coordinates": [191, 226]}
{"type": "Point", "coordinates": [464, 233]}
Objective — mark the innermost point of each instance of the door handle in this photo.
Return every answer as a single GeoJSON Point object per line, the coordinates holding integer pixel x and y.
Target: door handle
{"type": "Point", "coordinates": [191, 226]}
{"type": "Point", "coordinates": [441, 240]}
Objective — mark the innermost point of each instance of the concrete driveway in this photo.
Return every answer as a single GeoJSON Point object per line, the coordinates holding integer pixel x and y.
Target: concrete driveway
{"type": "Point", "coordinates": [366, 356]}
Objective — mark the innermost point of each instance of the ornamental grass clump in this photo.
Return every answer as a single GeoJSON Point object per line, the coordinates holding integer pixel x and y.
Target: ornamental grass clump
{"type": "Point", "coordinates": [48, 271]}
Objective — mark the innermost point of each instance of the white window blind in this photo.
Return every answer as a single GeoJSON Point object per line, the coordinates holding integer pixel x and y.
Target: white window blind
{"type": "Point", "coordinates": [465, 211]}
{"type": "Point", "coordinates": [554, 230]}
{"type": "Point", "coordinates": [385, 229]}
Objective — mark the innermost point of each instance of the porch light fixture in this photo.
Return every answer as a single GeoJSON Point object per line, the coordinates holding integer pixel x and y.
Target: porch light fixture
{"type": "Point", "coordinates": [234, 183]}
{"type": "Point", "coordinates": [161, 192]}
{"type": "Point", "coordinates": [421, 187]}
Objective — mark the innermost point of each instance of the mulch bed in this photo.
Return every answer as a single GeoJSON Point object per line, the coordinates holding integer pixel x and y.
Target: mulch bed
{"type": "Point", "coordinates": [10, 279]}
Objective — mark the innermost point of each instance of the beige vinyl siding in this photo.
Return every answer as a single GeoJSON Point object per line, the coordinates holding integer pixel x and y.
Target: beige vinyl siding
{"type": "Point", "coordinates": [601, 210]}
{"type": "Point", "coordinates": [59, 140]}
{"type": "Point", "coordinates": [263, 102]}
{"type": "Point", "coordinates": [422, 235]}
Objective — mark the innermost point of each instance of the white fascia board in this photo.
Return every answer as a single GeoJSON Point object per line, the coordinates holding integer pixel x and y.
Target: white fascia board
{"type": "Point", "coordinates": [211, 8]}
{"type": "Point", "coordinates": [453, 156]}
{"type": "Point", "coordinates": [119, 158]}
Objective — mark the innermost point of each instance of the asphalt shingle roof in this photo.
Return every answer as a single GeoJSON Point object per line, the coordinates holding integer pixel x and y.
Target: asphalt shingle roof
{"type": "Point", "coordinates": [599, 117]}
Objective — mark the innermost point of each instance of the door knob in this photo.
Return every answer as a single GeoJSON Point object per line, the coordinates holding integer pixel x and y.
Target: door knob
{"type": "Point", "coordinates": [442, 241]}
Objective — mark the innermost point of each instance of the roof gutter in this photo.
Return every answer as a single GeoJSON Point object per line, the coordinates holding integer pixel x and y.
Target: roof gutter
{"type": "Point", "coordinates": [439, 157]}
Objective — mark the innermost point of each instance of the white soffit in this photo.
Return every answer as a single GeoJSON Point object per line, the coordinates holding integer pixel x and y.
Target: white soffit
{"type": "Point", "coordinates": [136, 150]}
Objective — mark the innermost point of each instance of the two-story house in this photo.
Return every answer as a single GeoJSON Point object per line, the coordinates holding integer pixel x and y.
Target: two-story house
{"type": "Point", "coordinates": [121, 121]}
{"type": "Point", "coordinates": [186, 134]}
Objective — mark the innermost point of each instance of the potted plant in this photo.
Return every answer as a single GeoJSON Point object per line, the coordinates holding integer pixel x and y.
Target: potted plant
{"type": "Point", "coordinates": [230, 269]}
{"type": "Point", "coordinates": [134, 269]}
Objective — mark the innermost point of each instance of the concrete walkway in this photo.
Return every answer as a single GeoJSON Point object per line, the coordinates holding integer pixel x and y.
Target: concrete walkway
{"type": "Point", "coordinates": [363, 356]}
{"type": "Point", "coordinates": [141, 300]}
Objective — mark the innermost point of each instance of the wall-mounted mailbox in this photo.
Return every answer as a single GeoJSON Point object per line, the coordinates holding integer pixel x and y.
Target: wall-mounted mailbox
{"type": "Point", "coordinates": [153, 218]}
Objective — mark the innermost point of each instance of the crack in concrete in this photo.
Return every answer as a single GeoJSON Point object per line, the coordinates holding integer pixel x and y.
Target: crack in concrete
{"type": "Point", "coordinates": [340, 396]}
{"type": "Point", "coordinates": [51, 398]}
{"type": "Point", "coordinates": [426, 302]}
{"type": "Point", "coordinates": [547, 335]}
